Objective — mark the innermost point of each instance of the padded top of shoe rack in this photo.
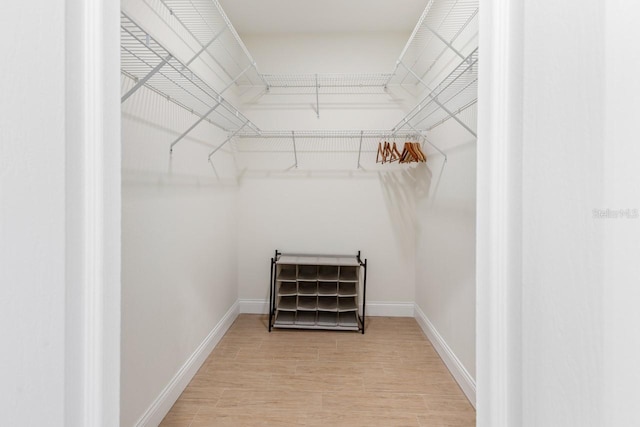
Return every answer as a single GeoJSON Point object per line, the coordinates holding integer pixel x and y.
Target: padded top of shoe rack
{"type": "Point", "coordinates": [318, 260]}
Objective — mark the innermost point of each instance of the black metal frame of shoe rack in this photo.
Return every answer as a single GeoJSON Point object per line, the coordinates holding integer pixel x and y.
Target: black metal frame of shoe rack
{"type": "Point", "coordinates": [272, 291]}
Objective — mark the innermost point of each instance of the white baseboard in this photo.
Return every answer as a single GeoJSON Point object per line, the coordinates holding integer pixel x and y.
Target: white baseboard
{"type": "Point", "coordinates": [254, 306]}
{"type": "Point", "coordinates": [163, 403]}
{"type": "Point", "coordinates": [459, 372]}
{"type": "Point", "coordinates": [390, 309]}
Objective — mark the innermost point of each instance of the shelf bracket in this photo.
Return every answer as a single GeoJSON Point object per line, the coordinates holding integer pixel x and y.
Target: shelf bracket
{"type": "Point", "coordinates": [228, 139]}
{"type": "Point", "coordinates": [424, 138]}
{"type": "Point", "coordinates": [232, 82]}
{"type": "Point", "coordinates": [453, 116]}
{"type": "Point", "coordinates": [206, 46]}
{"type": "Point", "coordinates": [359, 153]}
{"type": "Point", "coordinates": [414, 33]}
{"type": "Point", "coordinates": [317, 98]}
{"type": "Point", "coordinates": [439, 104]}
{"type": "Point", "coordinates": [204, 116]}
{"type": "Point", "coordinates": [415, 75]}
{"type": "Point", "coordinates": [449, 45]}
{"type": "Point", "coordinates": [144, 80]}
{"type": "Point", "coordinates": [295, 153]}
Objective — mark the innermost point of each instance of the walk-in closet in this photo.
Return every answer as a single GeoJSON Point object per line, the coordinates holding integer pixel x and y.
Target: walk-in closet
{"type": "Point", "coordinates": [308, 170]}
{"type": "Point", "coordinates": [319, 213]}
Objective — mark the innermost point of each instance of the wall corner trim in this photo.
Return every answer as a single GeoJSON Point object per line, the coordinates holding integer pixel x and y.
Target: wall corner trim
{"type": "Point", "coordinates": [457, 369]}
{"type": "Point", "coordinates": [165, 400]}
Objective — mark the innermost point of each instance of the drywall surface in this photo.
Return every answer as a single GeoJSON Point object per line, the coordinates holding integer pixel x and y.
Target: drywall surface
{"type": "Point", "coordinates": [178, 237]}
{"type": "Point", "coordinates": [326, 52]}
{"type": "Point", "coordinates": [562, 259]}
{"type": "Point", "coordinates": [178, 245]}
{"type": "Point", "coordinates": [317, 200]}
{"type": "Point", "coordinates": [622, 234]}
{"type": "Point", "coordinates": [32, 214]}
{"type": "Point", "coordinates": [580, 227]}
{"type": "Point", "coordinates": [445, 255]}
{"type": "Point", "coordinates": [326, 213]}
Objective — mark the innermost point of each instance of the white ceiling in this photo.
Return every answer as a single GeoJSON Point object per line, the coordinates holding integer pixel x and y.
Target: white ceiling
{"type": "Point", "coordinates": [323, 16]}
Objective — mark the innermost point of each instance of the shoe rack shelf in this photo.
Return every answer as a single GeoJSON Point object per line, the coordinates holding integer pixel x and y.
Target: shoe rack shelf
{"type": "Point", "coordinates": [318, 292]}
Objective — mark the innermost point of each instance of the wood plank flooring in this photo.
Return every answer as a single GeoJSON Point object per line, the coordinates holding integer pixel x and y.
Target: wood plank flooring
{"type": "Point", "coordinates": [390, 376]}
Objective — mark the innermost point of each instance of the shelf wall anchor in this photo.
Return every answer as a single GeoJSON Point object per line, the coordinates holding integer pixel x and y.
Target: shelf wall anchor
{"type": "Point", "coordinates": [295, 153]}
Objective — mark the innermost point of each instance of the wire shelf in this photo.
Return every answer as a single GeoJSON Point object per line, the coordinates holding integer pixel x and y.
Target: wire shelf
{"type": "Point", "coordinates": [329, 134]}
{"type": "Point", "coordinates": [207, 23]}
{"type": "Point", "coordinates": [325, 82]}
{"type": "Point", "coordinates": [444, 27]}
{"type": "Point", "coordinates": [147, 62]}
{"type": "Point", "coordinates": [454, 94]}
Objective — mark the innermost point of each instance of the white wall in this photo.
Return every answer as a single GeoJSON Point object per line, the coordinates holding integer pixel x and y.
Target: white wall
{"type": "Point", "coordinates": [32, 243]}
{"type": "Point", "coordinates": [446, 247]}
{"type": "Point", "coordinates": [445, 258]}
{"type": "Point", "coordinates": [178, 245]}
{"type": "Point", "coordinates": [622, 237]}
{"type": "Point", "coordinates": [59, 214]}
{"type": "Point", "coordinates": [574, 338]}
{"type": "Point", "coordinates": [562, 289]}
{"type": "Point", "coordinates": [327, 204]}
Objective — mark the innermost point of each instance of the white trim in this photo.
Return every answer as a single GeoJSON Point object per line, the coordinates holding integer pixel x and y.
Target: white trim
{"type": "Point", "coordinates": [390, 309]}
{"type": "Point", "coordinates": [93, 200]}
{"type": "Point", "coordinates": [375, 308]}
{"type": "Point", "coordinates": [253, 306]}
{"type": "Point", "coordinates": [163, 403]}
{"type": "Point", "coordinates": [499, 214]}
{"type": "Point", "coordinates": [457, 369]}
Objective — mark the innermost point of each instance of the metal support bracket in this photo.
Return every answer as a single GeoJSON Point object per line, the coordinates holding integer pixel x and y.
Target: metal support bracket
{"type": "Point", "coordinates": [360, 149]}
{"type": "Point", "coordinates": [206, 46]}
{"type": "Point", "coordinates": [295, 153]}
{"type": "Point", "coordinates": [317, 98]}
{"type": "Point", "coordinates": [218, 103]}
{"type": "Point", "coordinates": [449, 45]}
{"type": "Point", "coordinates": [435, 99]}
{"type": "Point", "coordinates": [204, 116]}
{"type": "Point", "coordinates": [415, 75]}
{"type": "Point", "coordinates": [144, 80]}
{"type": "Point", "coordinates": [227, 140]}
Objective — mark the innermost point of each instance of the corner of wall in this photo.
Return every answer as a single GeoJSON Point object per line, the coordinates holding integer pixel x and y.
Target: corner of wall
{"type": "Point", "coordinates": [165, 400]}
{"type": "Point", "coordinates": [457, 369]}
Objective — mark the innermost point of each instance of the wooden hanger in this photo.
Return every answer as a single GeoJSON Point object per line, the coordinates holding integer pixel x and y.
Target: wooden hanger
{"type": "Point", "coordinates": [380, 155]}
{"type": "Point", "coordinates": [394, 153]}
{"type": "Point", "coordinates": [423, 157]}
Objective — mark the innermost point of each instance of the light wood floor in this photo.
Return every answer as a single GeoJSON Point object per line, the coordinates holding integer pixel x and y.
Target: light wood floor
{"type": "Point", "coordinates": [390, 376]}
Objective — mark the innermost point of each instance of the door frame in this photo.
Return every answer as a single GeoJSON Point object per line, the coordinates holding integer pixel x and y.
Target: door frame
{"type": "Point", "coordinates": [499, 215]}
{"type": "Point", "coordinates": [92, 392]}
{"type": "Point", "coordinates": [93, 203]}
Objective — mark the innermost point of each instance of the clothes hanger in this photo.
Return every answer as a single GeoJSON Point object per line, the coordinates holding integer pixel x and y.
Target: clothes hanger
{"type": "Point", "coordinates": [380, 155]}
{"type": "Point", "coordinates": [423, 157]}
{"type": "Point", "coordinates": [394, 153]}
{"type": "Point", "coordinates": [404, 157]}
